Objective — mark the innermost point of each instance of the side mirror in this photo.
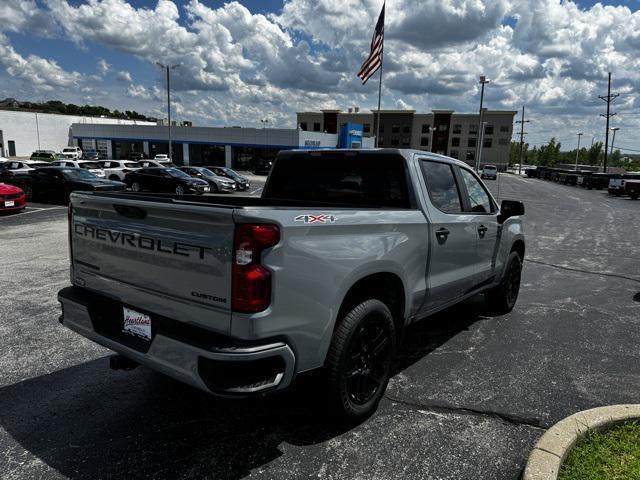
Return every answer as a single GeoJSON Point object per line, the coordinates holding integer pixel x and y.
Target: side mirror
{"type": "Point", "coordinates": [510, 208]}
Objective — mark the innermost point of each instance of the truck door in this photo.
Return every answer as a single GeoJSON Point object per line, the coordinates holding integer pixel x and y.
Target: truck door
{"type": "Point", "coordinates": [480, 207]}
{"type": "Point", "coordinates": [453, 237]}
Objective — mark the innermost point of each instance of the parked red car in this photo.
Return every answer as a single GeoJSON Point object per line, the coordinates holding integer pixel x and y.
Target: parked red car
{"type": "Point", "coordinates": [632, 187]}
{"type": "Point", "coordinates": [12, 199]}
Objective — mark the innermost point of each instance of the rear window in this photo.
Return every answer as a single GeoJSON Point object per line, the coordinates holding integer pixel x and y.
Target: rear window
{"type": "Point", "coordinates": [89, 165]}
{"type": "Point", "coordinates": [361, 180]}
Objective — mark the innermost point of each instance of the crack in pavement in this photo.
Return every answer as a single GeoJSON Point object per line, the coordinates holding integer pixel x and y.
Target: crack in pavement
{"type": "Point", "coordinates": [452, 409]}
{"type": "Point", "coordinates": [573, 269]}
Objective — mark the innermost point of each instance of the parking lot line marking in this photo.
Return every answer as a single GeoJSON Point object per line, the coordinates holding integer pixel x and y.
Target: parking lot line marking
{"type": "Point", "coordinates": [33, 210]}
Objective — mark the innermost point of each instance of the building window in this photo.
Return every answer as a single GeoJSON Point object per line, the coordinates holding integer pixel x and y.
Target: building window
{"type": "Point", "coordinates": [426, 128]}
{"type": "Point", "coordinates": [366, 128]}
{"type": "Point", "coordinates": [395, 129]}
{"type": "Point", "coordinates": [455, 142]}
{"type": "Point", "coordinates": [454, 153]}
{"type": "Point", "coordinates": [424, 142]}
{"type": "Point", "coordinates": [406, 129]}
{"type": "Point", "coordinates": [471, 142]}
{"type": "Point", "coordinates": [488, 129]}
{"type": "Point", "coordinates": [395, 142]}
{"type": "Point", "coordinates": [503, 141]}
{"type": "Point", "coordinates": [443, 127]}
{"type": "Point", "coordinates": [457, 129]}
{"type": "Point", "coordinates": [406, 141]}
{"type": "Point", "coordinates": [316, 126]}
{"type": "Point", "coordinates": [504, 128]}
{"type": "Point", "coordinates": [487, 143]}
{"type": "Point", "coordinates": [471, 156]}
{"type": "Point", "coordinates": [473, 129]}
{"type": "Point", "coordinates": [303, 126]}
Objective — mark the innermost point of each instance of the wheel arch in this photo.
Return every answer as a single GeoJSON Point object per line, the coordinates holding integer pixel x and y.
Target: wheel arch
{"type": "Point", "coordinates": [519, 248]}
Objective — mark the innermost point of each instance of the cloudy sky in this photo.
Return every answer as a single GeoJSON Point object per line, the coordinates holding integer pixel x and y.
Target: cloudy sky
{"type": "Point", "coordinates": [245, 60]}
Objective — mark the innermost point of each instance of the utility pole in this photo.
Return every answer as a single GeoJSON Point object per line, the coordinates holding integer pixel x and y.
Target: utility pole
{"type": "Point", "coordinates": [578, 150]}
{"type": "Point", "coordinates": [613, 140]}
{"type": "Point", "coordinates": [483, 82]}
{"type": "Point", "coordinates": [38, 130]}
{"type": "Point", "coordinates": [521, 122]}
{"type": "Point", "coordinates": [608, 98]}
{"type": "Point", "coordinates": [167, 68]}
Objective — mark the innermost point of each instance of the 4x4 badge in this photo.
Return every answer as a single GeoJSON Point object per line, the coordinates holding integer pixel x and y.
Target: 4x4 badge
{"type": "Point", "coordinates": [322, 218]}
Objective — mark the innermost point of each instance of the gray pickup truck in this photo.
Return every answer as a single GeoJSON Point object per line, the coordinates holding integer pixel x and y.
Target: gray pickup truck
{"type": "Point", "coordinates": [238, 296]}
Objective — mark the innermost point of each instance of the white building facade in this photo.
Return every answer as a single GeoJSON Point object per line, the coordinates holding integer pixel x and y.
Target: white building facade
{"type": "Point", "coordinates": [22, 133]}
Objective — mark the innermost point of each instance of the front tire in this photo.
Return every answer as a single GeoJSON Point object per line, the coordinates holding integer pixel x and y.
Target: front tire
{"type": "Point", "coordinates": [502, 299]}
{"type": "Point", "coordinates": [179, 190]}
{"type": "Point", "coordinates": [359, 359]}
{"type": "Point", "coordinates": [135, 187]}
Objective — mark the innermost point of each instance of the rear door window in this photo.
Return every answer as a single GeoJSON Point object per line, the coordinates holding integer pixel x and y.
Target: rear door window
{"type": "Point", "coordinates": [442, 186]}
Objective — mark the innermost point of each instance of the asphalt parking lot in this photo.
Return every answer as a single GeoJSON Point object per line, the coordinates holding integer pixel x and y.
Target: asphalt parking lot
{"type": "Point", "coordinates": [471, 394]}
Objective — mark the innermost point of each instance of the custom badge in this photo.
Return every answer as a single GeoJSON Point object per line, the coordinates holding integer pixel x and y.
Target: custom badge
{"type": "Point", "coordinates": [321, 218]}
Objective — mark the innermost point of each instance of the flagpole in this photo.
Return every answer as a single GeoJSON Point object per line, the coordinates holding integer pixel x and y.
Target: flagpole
{"type": "Point", "coordinates": [379, 96]}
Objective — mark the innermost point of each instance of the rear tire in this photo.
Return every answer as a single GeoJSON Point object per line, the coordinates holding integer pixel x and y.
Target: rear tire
{"type": "Point", "coordinates": [634, 196]}
{"type": "Point", "coordinates": [502, 299]}
{"type": "Point", "coordinates": [135, 187]}
{"type": "Point", "coordinates": [359, 359]}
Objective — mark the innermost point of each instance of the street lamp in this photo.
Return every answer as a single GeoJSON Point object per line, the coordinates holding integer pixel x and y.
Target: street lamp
{"type": "Point", "coordinates": [578, 150]}
{"type": "Point", "coordinates": [167, 68]}
{"type": "Point", "coordinates": [483, 82]}
{"type": "Point", "coordinates": [613, 140]}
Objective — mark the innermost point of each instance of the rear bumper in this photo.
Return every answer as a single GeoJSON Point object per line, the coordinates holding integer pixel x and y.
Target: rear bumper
{"type": "Point", "coordinates": [223, 366]}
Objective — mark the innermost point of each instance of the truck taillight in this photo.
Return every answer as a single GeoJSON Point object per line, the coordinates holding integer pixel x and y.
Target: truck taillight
{"type": "Point", "coordinates": [251, 285]}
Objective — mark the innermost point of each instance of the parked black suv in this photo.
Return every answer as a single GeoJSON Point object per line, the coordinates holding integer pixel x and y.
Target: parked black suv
{"type": "Point", "coordinates": [170, 180]}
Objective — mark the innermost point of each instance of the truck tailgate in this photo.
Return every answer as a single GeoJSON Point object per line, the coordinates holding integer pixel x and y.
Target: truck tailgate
{"type": "Point", "coordinates": [169, 258]}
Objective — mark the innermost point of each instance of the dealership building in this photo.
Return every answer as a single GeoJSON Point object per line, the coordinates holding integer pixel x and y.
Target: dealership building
{"type": "Point", "coordinates": [440, 131]}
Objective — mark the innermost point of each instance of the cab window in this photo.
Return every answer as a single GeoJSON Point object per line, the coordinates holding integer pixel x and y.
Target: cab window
{"type": "Point", "coordinates": [442, 186]}
{"type": "Point", "coordinates": [479, 199]}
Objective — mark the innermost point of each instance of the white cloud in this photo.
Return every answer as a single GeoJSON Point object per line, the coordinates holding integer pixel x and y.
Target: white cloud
{"type": "Point", "coordinates": [124, 76]}
{"type": "Point", "coordinates": [103, 67]}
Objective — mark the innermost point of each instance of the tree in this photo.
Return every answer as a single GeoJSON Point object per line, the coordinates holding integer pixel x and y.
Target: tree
{"type": "Point", "coordinates": [594, 153]}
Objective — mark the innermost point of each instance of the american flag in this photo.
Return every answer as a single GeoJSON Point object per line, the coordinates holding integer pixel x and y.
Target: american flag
{"type": "Point", "coordinates": [374, 62]}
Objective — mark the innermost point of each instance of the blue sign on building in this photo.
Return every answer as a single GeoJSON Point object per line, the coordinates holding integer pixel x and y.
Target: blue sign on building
{"type": "Point", "coordinates": [350, 136]}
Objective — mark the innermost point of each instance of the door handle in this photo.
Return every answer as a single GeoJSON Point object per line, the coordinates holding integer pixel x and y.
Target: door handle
{"type": "Point", "coordinates": [482, 230]}
{"type": "Point", "coordinates": [442, 233]}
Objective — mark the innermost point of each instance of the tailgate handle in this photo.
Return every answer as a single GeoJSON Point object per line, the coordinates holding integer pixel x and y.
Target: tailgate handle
{"type": "Point", "coordinates": [130, 212]}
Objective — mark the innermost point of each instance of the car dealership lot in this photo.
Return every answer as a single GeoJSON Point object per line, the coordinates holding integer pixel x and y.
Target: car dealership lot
{"type": "Point", "coordinates": [471, 394]}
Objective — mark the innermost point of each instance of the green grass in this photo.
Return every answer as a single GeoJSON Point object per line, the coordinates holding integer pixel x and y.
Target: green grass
{"type": "Point", "coordinates": [611, 455]}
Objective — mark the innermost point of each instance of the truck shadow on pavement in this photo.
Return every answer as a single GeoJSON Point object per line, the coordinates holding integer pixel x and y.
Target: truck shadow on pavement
{"type": "Point", "coordinates": [87, 421]}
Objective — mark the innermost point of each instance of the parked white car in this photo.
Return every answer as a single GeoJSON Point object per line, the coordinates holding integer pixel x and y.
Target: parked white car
{"type": "Point", "coordinates": [93, 167]}
{"type": "Point", "coordinates": [162, 157]}
{"type": "Point", "coordinates": [72, 152]}
{"type": "Point", "coordinates": [16, 166]}
{"type": "Point", "coordinates": [117, 169]}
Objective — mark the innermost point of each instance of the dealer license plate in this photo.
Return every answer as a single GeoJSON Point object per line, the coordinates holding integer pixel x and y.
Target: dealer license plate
{"type": "Point", "coordinates": [136, 323]}
{"type": "Point", "coordinates": [10, 203]}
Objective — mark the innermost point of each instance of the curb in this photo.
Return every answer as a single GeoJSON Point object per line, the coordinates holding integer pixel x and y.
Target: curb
{"type": "Point", "coordinates": [552, 449]}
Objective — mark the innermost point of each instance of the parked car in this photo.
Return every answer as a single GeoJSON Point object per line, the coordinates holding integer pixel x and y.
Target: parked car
{"type": "Point", "coordinates": [162, 157]}
{"type": "Point", "coordinates": [3, 159]}
{"type": "Point", "coordinates": [217, 184]}
{"type": "Point", "coordinates": [93, 167]}
{"type": "Point", "coordinates": [15, 167]}
{"type": "Point", "coordinates": [262, 166]}
{"type": "Point", "coordinates": [632, 187]}
{"type": "Point", "coordinates": [490, 172]}
{"type": "Point", "coordinates": [117, 169]}
{"type": "Point", "coordinates": [72, 152]}
{"type": "Point", "coordinates": [617, 183]}
{"type": "Point", "coordinates": [169, 180]}
{"type": "Point", "coordinates": [45, 156]}
{"type": "Point", "coordinates": [155, 163]}
{"type": "Point", "coordinates": [238, 296]}
{"type": "Point", "coordinates": [57, 183]}
{"type": "Point", "coordinates": [242, 183]}
{"type": "Point", "coordinates": [91, 155]}
{"type": "Point", "coordinates": [12, 198]}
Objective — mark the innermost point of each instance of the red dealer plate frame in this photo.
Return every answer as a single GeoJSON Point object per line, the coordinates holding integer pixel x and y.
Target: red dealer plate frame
{"type": "Point", "coordinates": [136, 324]}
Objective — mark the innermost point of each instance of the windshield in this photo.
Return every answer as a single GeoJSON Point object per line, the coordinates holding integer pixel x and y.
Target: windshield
{"type": "Point", "coordinates": [174, 172]}
{"type": "Point", "coordinates": [131, 165]}
{"type": "Point", "coordinates": [78, 174]}
{"type": "Point", "coordinates": [489, 168]}
{"type": "Point", "coordinates": [206, 171]}
{"type": "Point", "coordinates": [89, 165]}
{"type": "Point", "coordinates": [230, 172]}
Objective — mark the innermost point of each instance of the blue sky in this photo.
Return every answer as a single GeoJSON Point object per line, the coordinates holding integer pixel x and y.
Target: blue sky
{"type": "Point", "coordinates": [264, 58]}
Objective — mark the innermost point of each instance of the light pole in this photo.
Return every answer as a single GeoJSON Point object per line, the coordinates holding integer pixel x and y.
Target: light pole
{"type": "Point", "coordinates": [578, 150]}
{"type": "Point", "coordinates": [167, 68]}
{"type": "Point", "coordinates": [614, 130]}
{"type": "Point", "coordinates": [483, 82]}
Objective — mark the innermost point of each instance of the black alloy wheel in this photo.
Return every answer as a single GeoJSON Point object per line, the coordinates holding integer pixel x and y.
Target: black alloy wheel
{"type": "Point", "coordinates": [360, 358]}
